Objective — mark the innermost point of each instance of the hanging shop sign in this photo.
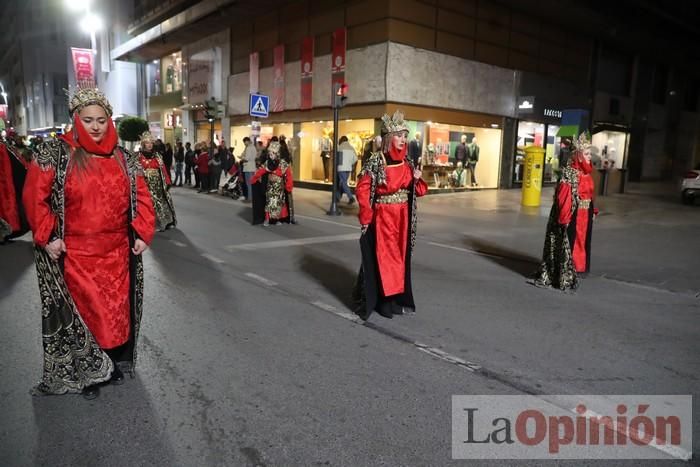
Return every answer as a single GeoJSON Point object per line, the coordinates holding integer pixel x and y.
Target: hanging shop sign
{"type": "Point", "coordinates": [200, 77]}
{"type": "Point", "coordinates": [278, 79]}
{"type": "Point", "coordinates": [338, 58]}
{"type": "Point", "coordinates": [83, 66]}
{"type": "Point", "coordinates": [307, 72]}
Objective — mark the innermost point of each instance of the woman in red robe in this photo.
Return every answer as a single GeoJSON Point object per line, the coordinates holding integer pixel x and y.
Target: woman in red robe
{"type": "Point", "coordinates": [386, 192]}
{"type": "Point", "coordinates": [14, 161]}
{"type": "Point", "coordinates": [567, 246]}
{"type": "Point", "coordinates": [158, 180]}
{"type": "Point", "coordinates": [92, 217]}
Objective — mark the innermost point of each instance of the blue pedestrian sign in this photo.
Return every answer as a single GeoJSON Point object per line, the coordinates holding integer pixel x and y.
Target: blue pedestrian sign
{"type": "Point", "coordinates": [259, 105]}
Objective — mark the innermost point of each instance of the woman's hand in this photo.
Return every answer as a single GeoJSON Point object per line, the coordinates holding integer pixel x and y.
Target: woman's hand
{"type": "Point", "coordinates": [417, 173]}
{"type": "Point", "coordinates": [55, 249]}
{"type": "Point", "coordinates": [139, 247]}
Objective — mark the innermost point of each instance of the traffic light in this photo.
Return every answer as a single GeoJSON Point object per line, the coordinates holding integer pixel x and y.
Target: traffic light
{"type": "Point", "coordinates": [340, 94]}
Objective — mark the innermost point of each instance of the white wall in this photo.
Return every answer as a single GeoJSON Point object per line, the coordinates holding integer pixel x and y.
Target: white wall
{"type": "Point", "coordinates": [396, 73]}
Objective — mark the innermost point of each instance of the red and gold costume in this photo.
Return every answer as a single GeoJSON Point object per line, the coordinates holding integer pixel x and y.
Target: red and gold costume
{"type": "Point", "coordinates": [13, 169]}
{"type": "Point", "coordinates": [567, 247]}
{"type": "Point", "coordinates": [387, 191]}
{"type": "Point", "coordinates": [158, 181]}
{"type": "Point", "coordinates": [92, 296]}
{"type": "Point", "coordinates": [272, 185]}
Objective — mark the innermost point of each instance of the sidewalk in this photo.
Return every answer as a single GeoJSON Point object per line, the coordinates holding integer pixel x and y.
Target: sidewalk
{"type": "Point", "coordinates": [646, 236]}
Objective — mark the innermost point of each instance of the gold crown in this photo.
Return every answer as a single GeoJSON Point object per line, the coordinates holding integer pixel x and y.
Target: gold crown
{"type": "Point", "coordinates": [582, 142]}
{"type": "Point", "coordinates": [85, 94]}
{"type": "Point", "coordinates": [147, 136]}
{"type": "Point", "coordinates": [274, 148]}
{"type": "Point", "coordinates": [395, 123]}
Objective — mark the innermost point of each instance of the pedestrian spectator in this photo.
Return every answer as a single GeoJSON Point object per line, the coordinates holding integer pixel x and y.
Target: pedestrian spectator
{"type": "Point", "coordinates": [347, 162]}
{"type": "Point", "coordinates": [284, 150]}
{"type": "Point", "coordinates": [215, 169]}
{"type": "Point", "coordinates": [168, 158]}
{"type": "Point", "coordinates": [189, 163]}
{"type": "Point", "coordinates": [88, 249]}
{"type": "Point", "coordinates": [248, 165]}
{"type": "Point", "coordinates": [179, 163]}
{"type": "Point", "coordinates": [203, 168]}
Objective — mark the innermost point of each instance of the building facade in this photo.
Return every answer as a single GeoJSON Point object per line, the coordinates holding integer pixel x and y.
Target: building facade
{"type": "Point", "coordinates": [454, 67]}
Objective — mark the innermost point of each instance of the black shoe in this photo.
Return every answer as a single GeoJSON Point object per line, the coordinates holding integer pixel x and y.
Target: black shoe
{"type": "Point", "coordinates": [91, 392]}
{"type": "Point", "coordinates": [117, 376]}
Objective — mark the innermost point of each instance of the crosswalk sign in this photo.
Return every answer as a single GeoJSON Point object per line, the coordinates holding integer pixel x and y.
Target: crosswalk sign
{"type": "Point", "coordinates": [259, 105]}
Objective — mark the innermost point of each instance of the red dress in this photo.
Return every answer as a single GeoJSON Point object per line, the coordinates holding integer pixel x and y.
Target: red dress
{"type": "Point", "coordinates": [586, 188]}
{"type": "Point", "coordinates": [9, 210]}
{"type": "Point", "coordinates": [153, 163]}
{"type": "Point", "coordinates": [96, 229]}
{"type": "Point", "coordinates": [391, 223]}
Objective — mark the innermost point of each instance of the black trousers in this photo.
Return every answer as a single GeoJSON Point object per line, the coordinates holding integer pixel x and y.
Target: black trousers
{"type": "Point", "coordinates": [188, 174]}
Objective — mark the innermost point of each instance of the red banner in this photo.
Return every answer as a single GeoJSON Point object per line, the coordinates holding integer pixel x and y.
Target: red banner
{"type": "Point", "coordinates": [307, 72]}
{"type": "Point", "coordinates": [3, 111]}
{"type": "Point", "coordinates": [83, 65]}
{"type": "Point", "coordinates": [338, 57]}
{"type": "Point", "coordinates": [278, 80]}
{"type": "Point", "coordinates": [254, 72]}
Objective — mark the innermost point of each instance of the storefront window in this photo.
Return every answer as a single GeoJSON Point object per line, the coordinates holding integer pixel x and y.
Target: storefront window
{"type": "Point", "coordinates": [609, 149]}
{"type": "Point", "coordinates": [439, 162]}
{"type": "Point", "coordinates": [171, 71]}
{"type": "Point", "coordinates": [541, 135]}
{"type": "Point", "coordinates": [153, 78]}
{"type": "Point", "coordinates": [314, 153]}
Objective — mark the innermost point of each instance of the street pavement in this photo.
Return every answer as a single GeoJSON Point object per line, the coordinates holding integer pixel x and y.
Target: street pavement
{"type": "Point", "coordinates": [250, 354]}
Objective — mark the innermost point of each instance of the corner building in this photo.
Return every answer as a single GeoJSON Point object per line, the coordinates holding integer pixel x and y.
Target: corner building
{"type": "Point", "coordinates": [455, 67]}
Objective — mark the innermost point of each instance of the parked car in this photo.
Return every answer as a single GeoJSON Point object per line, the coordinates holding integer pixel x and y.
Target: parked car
{"type": "Point", "coordinates": [690, 186]}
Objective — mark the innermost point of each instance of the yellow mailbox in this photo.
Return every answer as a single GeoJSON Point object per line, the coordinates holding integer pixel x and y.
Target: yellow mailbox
{"type": "Point", "coordinates": [532, 178]}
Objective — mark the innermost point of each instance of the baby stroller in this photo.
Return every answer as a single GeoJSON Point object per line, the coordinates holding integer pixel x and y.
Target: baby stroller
{"type": "Point", "coordinates": [232, 187]}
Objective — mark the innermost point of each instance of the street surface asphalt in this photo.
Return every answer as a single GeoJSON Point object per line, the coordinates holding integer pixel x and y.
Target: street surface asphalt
{"type": "Point", "coordinates": [250, 355]}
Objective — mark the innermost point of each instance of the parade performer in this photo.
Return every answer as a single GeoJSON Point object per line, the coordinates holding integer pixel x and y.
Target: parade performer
{"type": "Point", "coordinates": [272, 188]}
{"type": "Point", "coordinates": [158, 180]}
{"type": "Point", "coordinates": [14, 161]}
{"type": "Point", "coordinates": [92, 217]}
{"type": "Point", "coordinates": [567, 244]}
{"type": "Point", "coordinates": [386, 192]}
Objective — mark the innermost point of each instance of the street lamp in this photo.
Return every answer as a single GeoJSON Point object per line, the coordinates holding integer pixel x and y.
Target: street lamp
{"type": "Point", "coordinates": [3, 93]}
{"type": "Point", "coordinates": [90, 23]}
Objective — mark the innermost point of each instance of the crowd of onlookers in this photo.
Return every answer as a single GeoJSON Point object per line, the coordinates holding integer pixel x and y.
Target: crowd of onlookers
{"type": "Point", "coordinates": [206, 168]}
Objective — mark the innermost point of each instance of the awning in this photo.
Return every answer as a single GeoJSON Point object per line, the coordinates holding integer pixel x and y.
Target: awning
{"type": "Point", "coordinates": [568, 130]}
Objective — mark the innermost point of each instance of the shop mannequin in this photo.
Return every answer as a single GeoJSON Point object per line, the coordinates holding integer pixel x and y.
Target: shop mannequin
{"type": "Point", "coordinates": [326, 149]}
{"type": "Point", "coordinates": [472, 159]}
{"type": "Point", "coordinates": [458, 177]}
{"type": "Point", "coordinates": [415, 150]}
{"type": "Point", "coordinates": [461, 151]}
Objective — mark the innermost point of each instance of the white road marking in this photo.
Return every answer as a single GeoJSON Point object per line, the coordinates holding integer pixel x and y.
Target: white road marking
{"type": "Point", "coordinates": [673, 451]}
{"type": "Point", "coordinates": [326, 221]}
{"type": "Point", "coordinates": [261, 279]}
{"type": "Point", "coordinates": [435, 352]}
{"type": "Point", "coordinates": [337, 312]}
{"type": "Point", "coordinates": [293, 242]}
{"type": "Point", "coordinates": [213, 258]}
{"type": "Point", "coordinates": [442, 355]}
{"type": "Point", "coordinates": [176, 243]}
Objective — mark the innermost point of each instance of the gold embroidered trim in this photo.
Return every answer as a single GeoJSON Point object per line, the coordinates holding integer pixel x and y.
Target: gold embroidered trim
{"type": "Point", "coordinates": [399, 197]}
{"type": "Point", "coordinates": [584, 204]}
